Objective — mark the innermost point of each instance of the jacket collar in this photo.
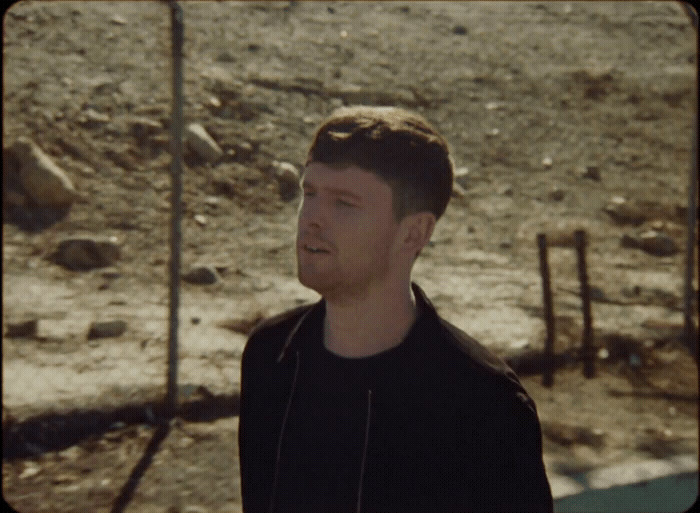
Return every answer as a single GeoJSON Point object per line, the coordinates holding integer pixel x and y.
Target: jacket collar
{"type": "Point", "coordinates": [316, 312]}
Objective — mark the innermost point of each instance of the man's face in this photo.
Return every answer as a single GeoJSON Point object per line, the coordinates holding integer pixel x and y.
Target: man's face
{"type": "Point", "coordinates": [346, 230]}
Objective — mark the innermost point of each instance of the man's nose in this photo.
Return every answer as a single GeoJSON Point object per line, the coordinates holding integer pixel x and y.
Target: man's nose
{"type": "Point", "coordinates": [311, 213]}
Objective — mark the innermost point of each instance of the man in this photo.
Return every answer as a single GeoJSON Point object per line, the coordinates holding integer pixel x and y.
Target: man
{"type": "Point", "coordinates": [368, 400]}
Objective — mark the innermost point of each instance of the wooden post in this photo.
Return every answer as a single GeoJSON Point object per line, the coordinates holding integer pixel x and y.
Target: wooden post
{"type": "Point", "coordinates": [690, 334]}
{"type": "Point", "coordinates": [548, 374]}
{"type": "Point", "coordinates": [176, 130]}
{"type": "Point", "coordinates": [587, 343]}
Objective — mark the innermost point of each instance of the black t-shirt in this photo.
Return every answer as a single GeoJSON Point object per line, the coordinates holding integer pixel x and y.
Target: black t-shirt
{"type": "Point", "coordinates": [323, 445]}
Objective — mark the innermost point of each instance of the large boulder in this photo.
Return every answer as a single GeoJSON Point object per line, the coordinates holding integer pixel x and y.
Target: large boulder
{"type": "Point", "coordinates": [43, 181]}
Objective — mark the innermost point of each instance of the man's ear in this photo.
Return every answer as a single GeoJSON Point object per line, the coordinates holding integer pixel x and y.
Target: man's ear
{"type": "Point", "coordinates": [417, 230]}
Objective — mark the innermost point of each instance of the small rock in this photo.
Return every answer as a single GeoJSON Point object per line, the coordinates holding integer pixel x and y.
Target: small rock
{"type": "Point", "coordinates": [506, 244]}
{"type": "Point", "coordinates": [212, 201]}
{"type": "Point", "coordinates": [45, 182]}
{"type": "Point", "coordinates": [202, 275]}
{"type": "Point", "coordinates": [459, 30]}
{"type": "Point", "coordinates": [86, 254]}
{"type": "Point", "coordinates": [72, 453]}
{"type": "Point", "coordinates": [118, 20]}
{"type": "Point", "coordinates": [657, 225]}
{"type": "Point", "coordinates": [142, 127]}
{"type": "Point", "coordinates": [623, 212]}
{"type": "Point", "coordinates": [287, 176]}
{"type": "Point", "coordinates": [556, 194]}
{"type": "Point", "coordinates": [462, 177]}
{"type": "Point", "coordinates": [589, 172]}
{"type": "Point", "coordinates": [202, 143]}
{"type": "Point", "coordinates": [30, 469]}
{"type": "Point", "coordinates": [244, 150]}
{"type": "Point", "coordinates": [93, 119]}
{"type": "Point", "coordinates": [23, 329]}
{"type": "Point", "coordinates": [598, 294]}
{"type": "Point", "coordinates": [547, 162]}
{"type": "Point", "coordinates": [458, 191]}
{"type": "Point", "coordinates": [658, 243]}
{"type": "Point", "coordinates": [220, 81]}
{"type": "Point", "coordinates": [653, 242]}
{"type": "Point", "coordinates": [225, 57]}
{"type": "Point", "coordinates": [106, 329]}
{"type": "Point", "coordinates": [200, 219]}
{"type": "Point", "coordinates": [505, 190]}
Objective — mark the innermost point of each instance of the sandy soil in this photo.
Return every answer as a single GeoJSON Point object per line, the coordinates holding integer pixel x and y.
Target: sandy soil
{"type": "Point", "coordinates": [535, 99]}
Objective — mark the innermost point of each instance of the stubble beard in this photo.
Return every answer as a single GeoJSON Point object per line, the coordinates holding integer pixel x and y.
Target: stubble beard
{"type": "Point", "coordinates": [332, 285]}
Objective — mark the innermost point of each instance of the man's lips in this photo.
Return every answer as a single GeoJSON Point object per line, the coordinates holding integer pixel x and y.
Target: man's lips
{"type": "Point", "coordinates": [314, 249]}
{"type": "Point", "coordinates": [314, 246]}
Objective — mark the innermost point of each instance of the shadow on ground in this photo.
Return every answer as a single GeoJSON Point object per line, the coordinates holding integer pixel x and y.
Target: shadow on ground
{"type": "Point", "coordinates": [57, 431]}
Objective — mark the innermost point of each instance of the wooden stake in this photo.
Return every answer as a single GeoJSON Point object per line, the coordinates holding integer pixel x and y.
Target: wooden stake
{"type": "Point", "coordinates": [587, 343]}
{"type": "Point", "coordinates": [548, 374]}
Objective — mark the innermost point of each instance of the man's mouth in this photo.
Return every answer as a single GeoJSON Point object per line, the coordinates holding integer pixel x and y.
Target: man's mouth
{"type": "Point", "coordinates": [313, 249]}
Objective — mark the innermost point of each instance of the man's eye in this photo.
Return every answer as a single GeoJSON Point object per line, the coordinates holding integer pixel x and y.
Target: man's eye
{"type": "Point", "coordinates": [343, 203]}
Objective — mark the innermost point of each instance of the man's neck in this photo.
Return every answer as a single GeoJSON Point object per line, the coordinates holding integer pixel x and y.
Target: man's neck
{"type": "Point", "coordinates": [375, 322]}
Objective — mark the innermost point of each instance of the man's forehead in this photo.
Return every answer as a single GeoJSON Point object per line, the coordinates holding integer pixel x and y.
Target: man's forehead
{"type": "Point", "coordinates": [349, 177]}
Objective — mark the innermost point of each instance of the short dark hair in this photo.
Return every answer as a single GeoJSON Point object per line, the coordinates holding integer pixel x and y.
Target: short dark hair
{"type": "Point", "coordinates": [399, 146]}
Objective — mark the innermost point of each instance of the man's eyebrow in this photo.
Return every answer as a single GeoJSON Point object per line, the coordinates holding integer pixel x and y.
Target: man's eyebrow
{"type": "Point", "coordinates": [342, 192]}
{"type": "Point", "coordinates": [333, 190]}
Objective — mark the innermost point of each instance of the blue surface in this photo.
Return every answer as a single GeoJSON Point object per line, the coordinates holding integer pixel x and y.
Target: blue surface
{"type": "Point", "coordinates": [669, 494]}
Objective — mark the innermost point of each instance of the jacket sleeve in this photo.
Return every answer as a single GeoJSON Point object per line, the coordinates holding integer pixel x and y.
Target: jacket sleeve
{"type": "Point", "coordinates": [507, 438]}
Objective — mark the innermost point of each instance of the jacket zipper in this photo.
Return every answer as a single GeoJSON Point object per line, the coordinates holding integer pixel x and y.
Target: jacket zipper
{"type": "Point", "coordinates": [281, 437]}
{"type": "Point", "coordinates": [364, 451]}
{"type": "Point", "coordinates": [279, 441]}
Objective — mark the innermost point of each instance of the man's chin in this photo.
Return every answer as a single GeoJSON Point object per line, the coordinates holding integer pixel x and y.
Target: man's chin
{"type": "Point", "coordinates": [316, 283]}
{"type": "Point", "coordinates": [310, 282]}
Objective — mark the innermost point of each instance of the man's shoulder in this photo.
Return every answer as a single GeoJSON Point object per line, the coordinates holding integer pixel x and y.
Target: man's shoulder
{"type": "Point", "coordinates": [459, 345]}
{"type": "Point", "coordinates": [473, 351]}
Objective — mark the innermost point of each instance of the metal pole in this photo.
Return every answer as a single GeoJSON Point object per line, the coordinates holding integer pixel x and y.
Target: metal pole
{"type": "Point", "coordinates": [177, 33]}
{"type": "Point", "coordinates": [587, 344]}
{"type": "Point", "coordinates": [548, 374]}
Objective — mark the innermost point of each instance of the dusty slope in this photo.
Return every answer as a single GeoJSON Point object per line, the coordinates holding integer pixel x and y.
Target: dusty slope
{"type": "Point", "coordinates": [532, 96]}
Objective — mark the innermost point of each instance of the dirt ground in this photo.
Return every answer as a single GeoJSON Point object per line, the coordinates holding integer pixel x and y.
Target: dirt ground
{"type": "Point", "coordinates": [553, 107]}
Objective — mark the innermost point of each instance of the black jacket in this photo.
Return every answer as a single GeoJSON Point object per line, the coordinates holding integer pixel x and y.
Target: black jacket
{"type": "Point", "coordinates": [450, 429]}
